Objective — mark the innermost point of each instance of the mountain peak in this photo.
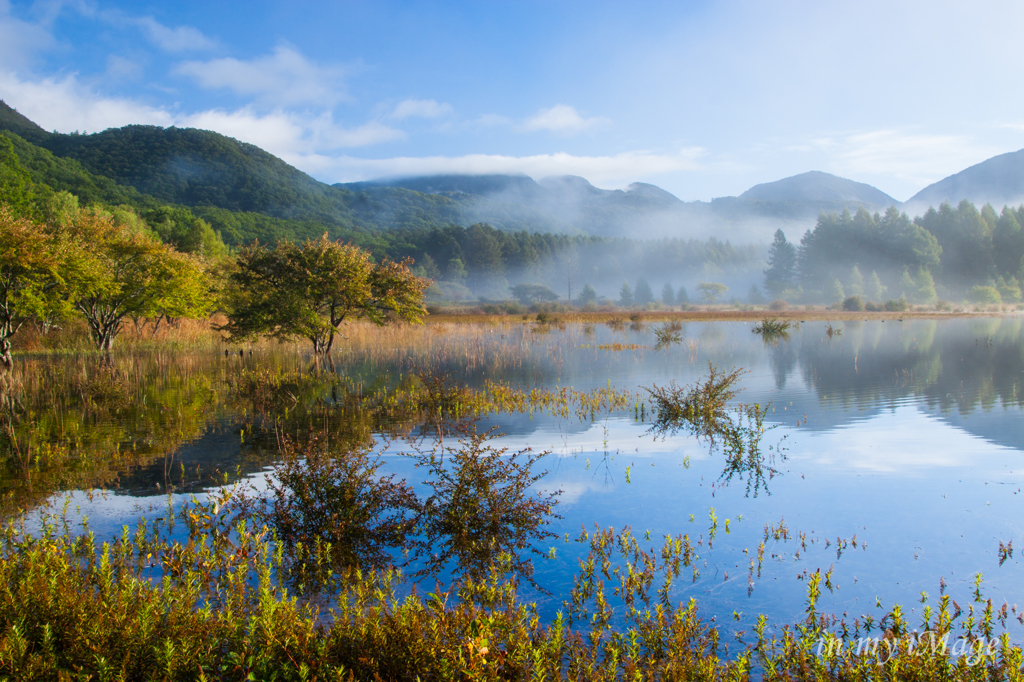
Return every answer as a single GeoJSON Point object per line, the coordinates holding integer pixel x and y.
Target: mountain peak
{"type": "Point", "coordinates": [817, 187]}
{"type": "Point", "coordinates": [999, 181]}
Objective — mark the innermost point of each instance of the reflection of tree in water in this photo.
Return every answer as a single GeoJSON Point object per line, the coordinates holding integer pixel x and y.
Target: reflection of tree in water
{"type": "Point", "coordinates": [963, 366]}
{"type": "Point", "coordinates": [783, 359]}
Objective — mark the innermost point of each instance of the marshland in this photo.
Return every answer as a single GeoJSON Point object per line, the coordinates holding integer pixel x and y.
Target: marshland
{"type": "Point", "coordinates": [505, 498]}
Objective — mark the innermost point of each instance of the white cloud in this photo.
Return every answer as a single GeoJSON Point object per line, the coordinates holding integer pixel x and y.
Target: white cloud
{"type": "Point", "coordinates": [65, 105]}
{"type": "Point", "coordinates": [19, 40]}
{"type": "Point", "coordinates": [916, 158]}
{"type": "Point", "coordinates": [289, 135]}
{"type": "Point", "coordinates": [423, 108]}
{"type": "Point", "coordinates": [562, 118]}
{"type": "Point", "coordinates": [617, 169]}
{"type": "Point", "coordinates": [283, 77]}
{"type": "Point", "coordinates": [178, 39]}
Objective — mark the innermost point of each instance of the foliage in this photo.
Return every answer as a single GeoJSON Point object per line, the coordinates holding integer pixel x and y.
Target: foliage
{"type": "Point", "coordinates": [308, 291]}
{"type": "Point", "coordinates": [481, 507]}
{"type": "Point", "coordinates": [770, 327]}
{"type": "Point", "coordinates": [126, 273]}
{"type": "Point", "coordinates": [587, 295]}
{"type": "Point", "coordinates": [642, 295]}
{"type": "Point", "coordinates": [700, 409]}
{"type": "Point", "coordinates": [626, 295]}
{"type": "Point", "coordinates": [781, 272]}
{"type": "Point", "coordinates": [853, 303]}
{"type": "Point", "coordinates": [984, 295]}
{"type": "Point", "coordinates": [528, 294]}
{"type": "Point", "coordinates": [711, 290]}
{"type": "Point", "coordinates": [30, 277]}
{"type": "Point", "coordinates": [330, 495]}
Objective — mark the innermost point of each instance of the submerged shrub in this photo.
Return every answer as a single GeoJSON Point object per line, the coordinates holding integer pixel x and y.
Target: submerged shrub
{"type": "Point", "coordinates": [481, 507]}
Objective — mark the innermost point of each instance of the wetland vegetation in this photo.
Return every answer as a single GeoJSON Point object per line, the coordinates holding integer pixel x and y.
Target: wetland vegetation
{"type": "Point", "coordinates": [289, 519]}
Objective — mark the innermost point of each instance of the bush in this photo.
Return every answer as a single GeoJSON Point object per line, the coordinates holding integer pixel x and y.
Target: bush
{"type": "Point", "coordinates": [513, 308]}
{"type": "Point", "coordinates": [491, 309]}
{"type": "Point", "coordinates": [896, 305]}
{"type": "Point", "coordinates": [944, 306]}
{"type": "Point", "coordinates": [853, 303]}
{"type": "Point", "coordinates": [984, 295]}
{"type": "Point", "coordinates": [873, 307]}
{"type": "Point", "coordinates": [778, 304]}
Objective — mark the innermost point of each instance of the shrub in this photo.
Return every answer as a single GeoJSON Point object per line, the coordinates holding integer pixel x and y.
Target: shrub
{"type": "Point", "coordinates": [778, 304]}
{"type": "Point", "coordinates": [853, 303]}
{"type": "Point", "coordinates": [943, 305]}
{"type": "Point", "coordinates": [873, 307]}
{"type": "Point", "coordinates": [984, 295]}
{"type": "Point", "coordinates": [513, 307]}
{"type": "Point", "coordinates": [896, 305]}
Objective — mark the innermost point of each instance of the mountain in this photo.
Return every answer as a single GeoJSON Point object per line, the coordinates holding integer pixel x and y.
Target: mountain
{"type": "Point", "coordinates": [815, 188]}
{"type": "Point", "coordinates": [998, 181]}
{"type": "Point", "coordinates": [247, 193]}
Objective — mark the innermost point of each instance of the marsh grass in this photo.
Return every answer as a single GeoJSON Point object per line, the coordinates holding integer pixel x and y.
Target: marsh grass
{"type": "Point", "coordinates": [211, 604]}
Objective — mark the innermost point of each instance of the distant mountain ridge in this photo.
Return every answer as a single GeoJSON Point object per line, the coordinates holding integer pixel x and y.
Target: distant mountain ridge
{"type": "Point", "coordinates": [212, 172]}
{"type": "Point", "coordinates": [998, 181]}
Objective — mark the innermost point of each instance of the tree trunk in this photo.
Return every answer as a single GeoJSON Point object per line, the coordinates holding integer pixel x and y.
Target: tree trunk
{"type": "Point", "coordinates": [6, 361]}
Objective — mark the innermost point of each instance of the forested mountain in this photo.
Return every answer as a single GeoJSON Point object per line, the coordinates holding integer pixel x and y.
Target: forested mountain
{"type": "Point", "coordinates": [997, 181]}
{"type": "Point", "coordinates": [212, 173]}
{"type": "Point", "coordinates": [821, 190]}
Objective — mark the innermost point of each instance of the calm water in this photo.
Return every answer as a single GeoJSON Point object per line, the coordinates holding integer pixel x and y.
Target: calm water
{"type": "Point", "coordinates": [906, 435]}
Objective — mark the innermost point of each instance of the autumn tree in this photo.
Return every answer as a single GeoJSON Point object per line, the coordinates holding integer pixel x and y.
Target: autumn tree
{"type": "Point", "coordinates": [30, 277]}
{"type": "Point", "coordinates": [307, 291]}
{"type": "Point", "coordinates": [129, 273]}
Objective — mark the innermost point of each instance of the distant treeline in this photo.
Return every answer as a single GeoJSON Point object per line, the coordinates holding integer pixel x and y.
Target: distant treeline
{"type": "Point", "coordinates": [949, 252]}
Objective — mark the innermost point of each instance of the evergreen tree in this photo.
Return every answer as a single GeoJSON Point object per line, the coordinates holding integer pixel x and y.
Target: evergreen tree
{"type": "Point", "coordinates": [908, 287]}
{"type": "Point", "coordinates": [643, 294]}
{"type": "Point", "coordinates": [588, 295]}
{"type": "Point", "coordinates": [838, 293]}
{"type": "Point", "coordinates": [667, 295]}
{"type": "Point", "coordinates": [856, 285]}
{"type": "Point", "coordinates": [874, 289]}
{"type": "Point", "coordinates": [682, 298]}
{"type": "Point", "coordinates": [781, 272]}
{"type": "Point", "coordinates": [626, 295]}
{"type": "Point", "coordinates": [925, 290]}
{"type": "Point", "coordinates": [755, 296]}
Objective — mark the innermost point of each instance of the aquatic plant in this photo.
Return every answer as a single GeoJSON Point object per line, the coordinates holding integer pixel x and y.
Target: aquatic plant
{"type": "Point", "coordinates": [700, 409]}
{"type": "Point", "coordinates": [772, 327]}
{"type": "Point", "coordinates": [668, 334]}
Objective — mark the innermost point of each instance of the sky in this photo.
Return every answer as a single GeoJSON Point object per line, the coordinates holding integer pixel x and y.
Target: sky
{"type": "Point", "coordinates": [704, 99]}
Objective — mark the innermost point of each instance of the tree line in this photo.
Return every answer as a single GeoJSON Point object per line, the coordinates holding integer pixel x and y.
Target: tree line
{"type": "Point", "coordinates": [948, 252]}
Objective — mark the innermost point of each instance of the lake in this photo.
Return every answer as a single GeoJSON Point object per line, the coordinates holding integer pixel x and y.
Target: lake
{"type": "Point", "coordinates": [895, 461]}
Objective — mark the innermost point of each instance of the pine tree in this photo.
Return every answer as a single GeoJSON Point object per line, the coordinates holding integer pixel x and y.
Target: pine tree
{"type": "Point", "coordinates": [925, 289]}
{"type": "Point", "coordinates": [874, 289]}
{"type": "Point", "coordinates": [856, 285]}
{"type": "Point", "coordinates": [643, 294]}
{"type": "Point", "coordinates": [781, 272]}
{"type": "Point", "coordinates": [626, 295]}
{"type": "Point", "coordinates": [838, 293]}
{"type": "Point", "coordinates": [668, 297]}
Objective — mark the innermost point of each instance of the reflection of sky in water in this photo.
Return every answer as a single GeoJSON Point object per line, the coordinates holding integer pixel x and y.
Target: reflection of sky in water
{"type": "Point", "coordinates": [910, 438]}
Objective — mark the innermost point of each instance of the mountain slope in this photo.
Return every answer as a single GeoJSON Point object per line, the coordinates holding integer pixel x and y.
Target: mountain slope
{"type": "Point", "coordinates": [818, 188]}
{"type": "Point", "coordinates": [999, 181]}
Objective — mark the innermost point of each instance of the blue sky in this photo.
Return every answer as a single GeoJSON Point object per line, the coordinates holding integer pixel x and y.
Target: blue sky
{"type": "Point", "coordinates": [704, 99]}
